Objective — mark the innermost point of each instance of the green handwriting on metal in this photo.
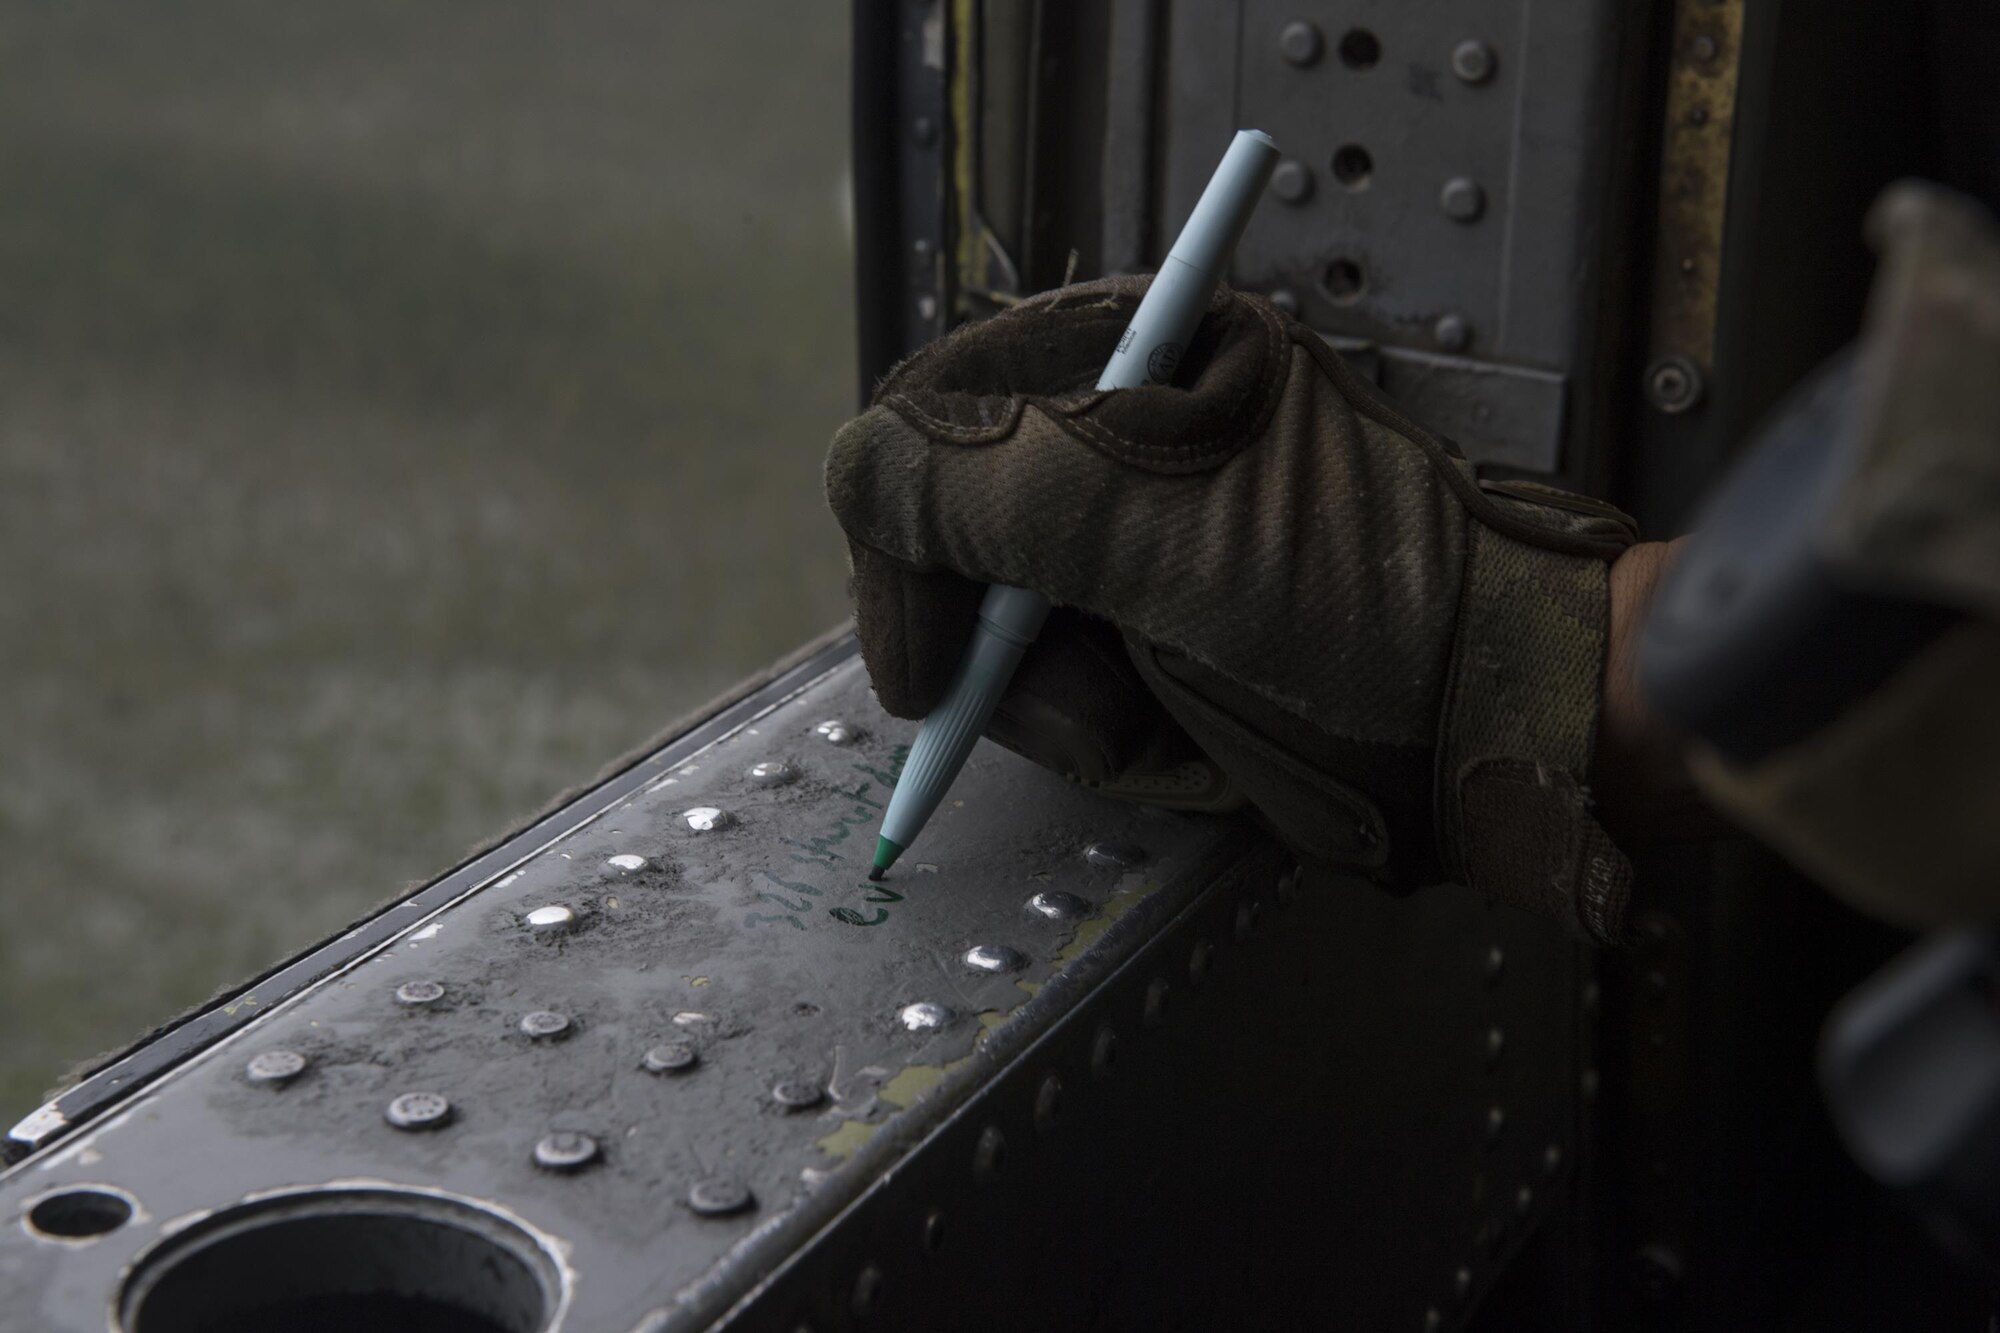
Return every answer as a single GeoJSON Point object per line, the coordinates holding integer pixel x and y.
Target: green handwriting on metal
{"type": "Point", "coordinates": [796, 898]}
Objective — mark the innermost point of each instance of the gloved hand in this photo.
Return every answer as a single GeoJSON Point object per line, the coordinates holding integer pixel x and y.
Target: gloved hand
{"type": "Point", "coordinates": [1397, 664]}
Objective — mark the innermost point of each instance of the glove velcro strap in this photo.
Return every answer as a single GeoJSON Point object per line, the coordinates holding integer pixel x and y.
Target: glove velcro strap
{"type": "Point", "coordinates": [1517, 731]}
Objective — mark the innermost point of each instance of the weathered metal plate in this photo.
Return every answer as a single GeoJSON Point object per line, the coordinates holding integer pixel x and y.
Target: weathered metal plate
{"type": "Point", "coordinates": [1263, 1063]}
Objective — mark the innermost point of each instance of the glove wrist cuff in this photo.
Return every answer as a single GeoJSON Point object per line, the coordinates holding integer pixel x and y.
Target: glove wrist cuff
{"type": "Point", "coordinates": [1519, 726]}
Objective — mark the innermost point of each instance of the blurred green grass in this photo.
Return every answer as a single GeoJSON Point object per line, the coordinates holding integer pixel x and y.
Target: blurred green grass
{"type": "Point", "coordinates": [404, 408]}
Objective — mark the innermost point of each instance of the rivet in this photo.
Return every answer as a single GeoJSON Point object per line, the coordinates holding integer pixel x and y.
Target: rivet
{"type": "Point", "coordinates": [1656, 983]}
{"type": "Point", "coordinates": [933, 1232]}
{"type": "Point", "coordinates": [1587, 1085]}
{"type": "Point", "coordinates": [1592, 997]}
{"type": "Point", "coordinates": [920, 249]}
{"type": "Point", "coordinates": [867, 1291]}
{"type": "Point", "coordinates": [1462, 199]}
{"type": "Point", "coordinates": [1673, 384]}
{"type": "Point", "coordinates": [1461, 1283]}
{"type": "Point", "coordinates": [719, 1198]}
{"type": "Point", "coordinates": [672, 1058]}
{"type": "Point", "coordinates": [418, 1110]}
{"type": "Point", "coordinates": [707, 819]}
{"type": "Point", "coordinates": [419, 992]}
{"type": "Point", "coordinates": [1117, 855]}
{"type": "Point", "coordinates": [1656, 1272]}
{"type": "Point", "coordinates": [1452, 332]}
{"type": "Point", "coordinates": [923, 131]}
{"type": "Point", "coordinates": [927, 308]}
{"type": "Point", "coordinates": [1055, 905]}
{"type": "Point", "coordinates": [1496, 963]}
{"type": "Point", "coordinates": [545, 1024]}
{"type": "Point", "coordinates": [995, 958]}
{"type": "Point", "coordinates": [1157, 993]}
{"type": "Point", "coordinates": [1247, 913]}
{"type": "Point", "coordinates": [1698, 115]}
{"type": "Point", "coordinates": [1199, 958]}
{"type": "Point", "coordinates": [1472, 61]}
{"type": "Point", "coordinates": [565, 1150]}
{"type": "Point", "coordinates": [1048, 1102]}
{"type": "Point", "coordinates": [834, 731]}
{"type": "Point", "coordinates": [772, 773]}
{"type": "Point", "coordinates": [1552, 1160]}
{"type": "Point", "coordinates": [1496, 1041]}
{"type": "Point", "coordinates": [1433, 1321]}
{"type": "Point", "coordinates": [923, 1016]}
{"type": "Point", "coordinates": [1286, 300]}
{"type": "Point", "coordinates": [797, 1094]}
{"type": "Point", "coordinates": [551, 920]}
{"type": "Point", "coordinates": [1103, 1051]}
{"type": "Point", "coordinates": [1300, 43]}
{"type": "Point", "coordinates": [1288, 885]}
{"type": "Point", "coordinates": [275, 1067]}
{"type": "Point", "coordinates": [626, 862]}
{"type": "Point", "coordinates": [1704, 48]}
{"type": "Point", "coordinates": [1524, 1201]}
{"type": "Point", "coordinates": [1291, 182]}
{"type": "Point", "coordinates": [1496, 1121]}
{"type": "Point", "coordinates": [989, 1158]}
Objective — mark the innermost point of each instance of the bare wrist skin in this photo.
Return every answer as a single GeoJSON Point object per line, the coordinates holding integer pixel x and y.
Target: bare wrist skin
{"type": "Point", "coordinates": [1643, 787]}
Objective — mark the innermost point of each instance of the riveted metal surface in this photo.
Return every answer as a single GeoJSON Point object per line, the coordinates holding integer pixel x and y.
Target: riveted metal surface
{"type": "Point", "coordinates": [764, 948]}
{"type": "Point", "coordinates": [1491, 176]}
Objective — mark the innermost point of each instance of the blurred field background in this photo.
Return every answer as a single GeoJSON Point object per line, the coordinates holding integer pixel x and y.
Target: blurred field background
{"type": "Point", "coordinates": [405, 407]}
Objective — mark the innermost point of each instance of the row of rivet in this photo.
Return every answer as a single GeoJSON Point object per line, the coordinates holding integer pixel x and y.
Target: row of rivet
{"type": "Point", "coordinates": [989, 1154]}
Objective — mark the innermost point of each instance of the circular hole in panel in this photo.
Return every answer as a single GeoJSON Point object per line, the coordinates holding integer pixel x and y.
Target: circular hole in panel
{"type": "Point", "coordinates": [1359, 49]}
{"type": "Point", "coordinates": [1345, 282]}
{"type": "Point", "coordinates": [1353, 165]}
{"type": "Point", "coordinates": [345, 1259]}
{"type": "Point", "coordinates": [79, 1214]}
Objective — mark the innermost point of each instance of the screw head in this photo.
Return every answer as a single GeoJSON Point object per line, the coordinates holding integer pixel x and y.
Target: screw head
{"type": "Point", "coordinates": [923, 131]}
{"type": "Point", "coordinates": [1117, 855]}
{"type": "Point", "coordinates": [923, 1016]}
{"type": "Point", "coordinates": [544, 1025]}
{"type": "Point", "coordinates": [867, 1291]}
{"type": "Point", "coordinates": [1496, 963]}
{"type": "Point", "coordinates": [933, 1234]}
{"type": "Point", "coordinates": [1461, 1283]}
{"type": "Point", "coordinates": [672, 1058]}
{"type": "Point", "coordinates": [1048, 1102]}
{"type": "Point", "coordinates": [1288, 885]}
{"type": "Point", "coordinates": [1496, 1041]}
{"type": "Point", "coordinates": [274, 1067]}
{"type": "Point", "coordinates": [1292, 182]}
{"type": "Point", "coordinates": [1300, 43]}
{"type": "Point", "coordinates": [1704, 48]}
{"type": "Point", "coordinates": [565, 1150]}
{"type": "Point", "coordinates": [419, 992]}
{"type": "Point", "coordinates": [1433, 1320]}
{"type": "Point", "coordinates": [772, 773]}
{"type": "Point", "coordinates": [419, 1110]}
{"type": "Point", "coordinates": [1673, 384]}
{"type": "Point", "coordinates": [1524, 1201]}
{"type": "Point", "coordinates": [797, 1094]}
{"type": "Point", "coordinates": [1462, 199]}
{"type": "Point", "coordinates": [1496, 1121]}
{"type": "Point", "coordinates": [995, 958]}
{"type": "Point", "coordinates": [551, 920]}
{"type": "Point", "coordinates": [1552, 1160]}
{"type": "Point", "coordinates": [1157, 994]}
{"type": "Point", "coordinates": [1452, 332]}
{"type": "Point", "coordinates": [719, 1198]}
{"type": "Point", "coordinates": [1248, 912]}
{"type": "Point", "coordinates": [989, 1158]}
{"type": "Point", "coordinates": [836, 732]}
{"type": "Point", "coordinates": [1055, 905]}
{"type": "Point", "coordinates": [1104, 1051]}
{"type": "Point", "coordinates": [1656, 1272]}
{"type": "Point", "coordinates": [1199, 959]}
{"type": "Point", "coordinates": [1472, 61]}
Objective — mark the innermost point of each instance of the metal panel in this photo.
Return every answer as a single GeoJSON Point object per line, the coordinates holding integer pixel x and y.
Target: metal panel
{"type": "Point", "coordinates": [1260, 1095]}
{"type": "Point", "coordinates": [1448, 189]}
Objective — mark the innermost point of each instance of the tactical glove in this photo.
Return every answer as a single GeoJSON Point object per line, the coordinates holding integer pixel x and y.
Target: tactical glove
{"type": "Point", "coordinates": [1398, 665]}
